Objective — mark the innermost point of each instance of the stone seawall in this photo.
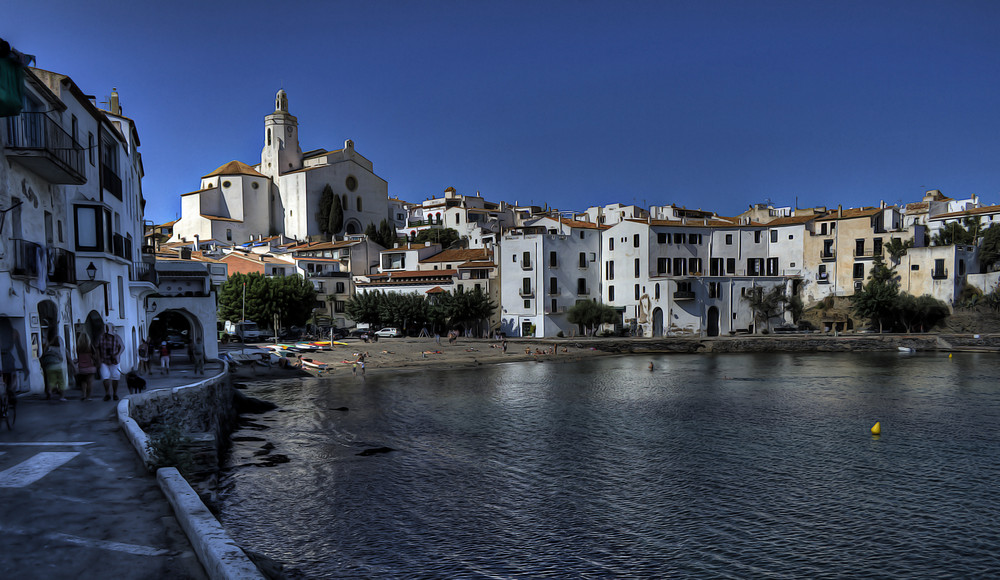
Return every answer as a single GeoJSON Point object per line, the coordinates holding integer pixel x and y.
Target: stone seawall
{"type": "Point", "coordinates": [793, 343]}
{"type": "Point", "coordinates": [203, 413]}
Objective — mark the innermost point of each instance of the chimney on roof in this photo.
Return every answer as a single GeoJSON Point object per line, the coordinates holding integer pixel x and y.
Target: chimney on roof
{"type": "Point", "coordinates": [196, 240]}
{"type": "Point", "coordinates": [115, 107]}
{"type": "Point", "coordinates": [882, 204]}
{"type": "Point", "coordinates": [840, 211]}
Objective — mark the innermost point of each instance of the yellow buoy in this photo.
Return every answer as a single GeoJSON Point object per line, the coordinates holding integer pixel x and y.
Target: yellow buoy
{"type": "Point", "coordinates": [877, 428]}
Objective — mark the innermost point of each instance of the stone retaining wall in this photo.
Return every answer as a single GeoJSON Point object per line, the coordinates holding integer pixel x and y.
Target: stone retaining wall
{"type": "Point", "coordinates": [205, 411]}
{"type": "Point", "coordinates": [792, 343]}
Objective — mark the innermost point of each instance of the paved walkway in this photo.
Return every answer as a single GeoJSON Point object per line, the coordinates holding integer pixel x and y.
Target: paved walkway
{"type": "Point", "coordinates": [75, 500]}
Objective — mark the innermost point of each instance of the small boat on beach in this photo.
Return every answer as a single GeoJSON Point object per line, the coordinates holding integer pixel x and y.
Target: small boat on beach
{"type": "Point", "coordinates": [313, 364]}
{"type": "Point", "coordinates": [303, 347]}
{"type": "Point", "coordinates": [905, 349]}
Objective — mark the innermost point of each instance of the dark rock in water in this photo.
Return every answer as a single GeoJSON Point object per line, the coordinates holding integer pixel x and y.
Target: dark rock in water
{"type": "Point", "coordinates": [269, 567]}
{"type": "Point", "coordinates": [339, 409]}
{"type": "Point", "coordinates": [375, 451]}
{"type": "Point", "coordinates": [268, 446]}
{"type": "Point", "coordinates": [260, 452]}
{"type": "Point", "coordinates": [273, 460]}
{"type": "Point", "coordinates": [247, 438]}
{"type": "Point", "coordinates": [245, 424]}
{"type": "Point", "coordinates": [245, 404]}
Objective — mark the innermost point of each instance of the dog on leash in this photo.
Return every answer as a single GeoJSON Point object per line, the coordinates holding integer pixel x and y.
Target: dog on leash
{"type": "Point", "coordinates": [136, 384]}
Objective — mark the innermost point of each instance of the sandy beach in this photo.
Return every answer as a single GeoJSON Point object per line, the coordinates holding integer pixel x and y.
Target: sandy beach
{"type": "Point", "coordinates": [416, 353]}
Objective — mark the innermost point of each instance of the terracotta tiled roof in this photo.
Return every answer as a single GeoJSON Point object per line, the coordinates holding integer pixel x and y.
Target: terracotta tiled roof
{"type": "Point", "coordinates": [235, 168]}
{"type": "Point", "coordinates": [477, 264]}
{"type": "Point", "coordinates": [850, 213]}
{"type": "Point", "coordinates": [409, 274]}
{"type": "Point", "coordinates": [219, 218]}
{"type": "Point", "coordinates": [436, 290]}
{"type": "Point", "coordinates": [969, 212]}
{"type": "Point", "coordinates": [581, 224]}
{"type": "Point", "coordinates": [458, 255]}
{"type": "Point", "coordinates": [920, 206]}
{"type": "Point", "coordinates": [198, 191]}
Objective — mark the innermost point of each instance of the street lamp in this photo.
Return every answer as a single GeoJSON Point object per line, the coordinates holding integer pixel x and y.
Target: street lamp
{"type": "Point", "coordinates": [92, 271]}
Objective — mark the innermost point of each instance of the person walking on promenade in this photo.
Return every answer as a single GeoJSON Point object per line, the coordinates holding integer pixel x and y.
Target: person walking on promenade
{"type": "Point", "coordinates": [11, 357]}
{"type": "Point", "coordinates": [109, 348]}
{"type": "Point", "coordinates": [164, 358]}
{"type": "Point", "coordinates": [86, 364]}
{"type": "Point", "coordinates": [504, 346]}
{"type": "Point", "coordinates": [198, 356]}
{"type": "Point", "coordinates": [53, 371]}
{"type": "Point", "coordinates": [144, 357]}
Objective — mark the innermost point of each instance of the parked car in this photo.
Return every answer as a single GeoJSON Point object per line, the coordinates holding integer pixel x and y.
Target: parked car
{"type": "Point", "coordinates": [389, 332]}
{"type": "Point", "coordinates": [359, 333]}
{"type": "Point", "coordinates": [335, 333]}
{"type": "Point", "coordinates": [176, 341]}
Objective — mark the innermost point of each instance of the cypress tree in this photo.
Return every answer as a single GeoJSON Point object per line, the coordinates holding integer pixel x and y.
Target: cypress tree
{"type": "Point", "coordinates": [336, 219]}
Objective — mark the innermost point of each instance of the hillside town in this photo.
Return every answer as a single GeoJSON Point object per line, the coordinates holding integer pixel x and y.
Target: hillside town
{"type": "Point", "coordinates": [78, 253]}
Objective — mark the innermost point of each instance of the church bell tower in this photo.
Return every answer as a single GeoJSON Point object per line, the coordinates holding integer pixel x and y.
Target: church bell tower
{"type": "Point", "coordinates": [281, 152]}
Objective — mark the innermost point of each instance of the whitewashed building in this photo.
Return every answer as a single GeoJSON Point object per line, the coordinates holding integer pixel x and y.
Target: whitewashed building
{"type": "Point", "coordinates": [547, 266]}
{"type": "Point", "coordinates": [281, 194]}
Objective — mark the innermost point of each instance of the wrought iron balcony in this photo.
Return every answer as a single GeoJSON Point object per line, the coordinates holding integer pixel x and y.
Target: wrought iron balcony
{"type": "Point", "coordinates": [583, 291]}
{"type": "Point", "coordinates": [827, 255]}
{"type": "Point", "coordinates": [111, 181]}
{"type": "Point", "coordinates": [28, 259]}
{"type": "Point", "coordinates": [525, 264]}
{"type": "Point", "coordinates": [526, 293]}
{"type": "Point", "coordinates": [864, 253]}
{"type": "Point", "coordinates": [61, 266]}
{"type": "Point", "coordinates": [823, 277]}
{"type": "Point", "coordinates": [939, 273]}
{"type": "Point", "coordinates": [684, 295]}
{"type": "Point", "coordinates": [40, 144]}
{"type": "Point", "coordinates": [143, 272]}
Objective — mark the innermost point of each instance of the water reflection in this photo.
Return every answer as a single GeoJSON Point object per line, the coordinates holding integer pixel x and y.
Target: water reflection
{"type": "Point", "coordinates": [740, 465]}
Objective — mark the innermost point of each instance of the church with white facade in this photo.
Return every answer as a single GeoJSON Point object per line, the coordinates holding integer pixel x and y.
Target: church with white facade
{"type": "Point", "coordinates": [281, 195]}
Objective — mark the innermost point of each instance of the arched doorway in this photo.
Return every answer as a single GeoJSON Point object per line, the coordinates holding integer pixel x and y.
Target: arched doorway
{"type": "Point", "coordinates": [352, 227]}
{"type": "Point", "coordinates": [713, 321]}
{"type": "Point", "coordinates": [657, 321]}
{"type": "Point", "coordinates": [176, 327]}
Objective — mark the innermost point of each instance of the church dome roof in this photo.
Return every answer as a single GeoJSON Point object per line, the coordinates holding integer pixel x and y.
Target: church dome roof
{"type": "Point", "coordinates": [235, 168]}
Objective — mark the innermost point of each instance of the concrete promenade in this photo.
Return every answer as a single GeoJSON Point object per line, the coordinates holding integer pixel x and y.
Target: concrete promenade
{"type": "Point", "coordinates": [75, 500]}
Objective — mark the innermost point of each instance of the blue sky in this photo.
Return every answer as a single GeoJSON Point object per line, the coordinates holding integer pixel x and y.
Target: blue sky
{"type": "Point", "coordinates": [704, 104]}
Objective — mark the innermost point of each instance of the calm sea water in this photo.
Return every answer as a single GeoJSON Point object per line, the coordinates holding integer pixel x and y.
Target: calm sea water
{"type": "Point", "coordinates": [708, 466]}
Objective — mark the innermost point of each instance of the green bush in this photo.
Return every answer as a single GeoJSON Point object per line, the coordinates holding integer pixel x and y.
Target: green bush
{"type": "Point", "coordinates": [168, 448]}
